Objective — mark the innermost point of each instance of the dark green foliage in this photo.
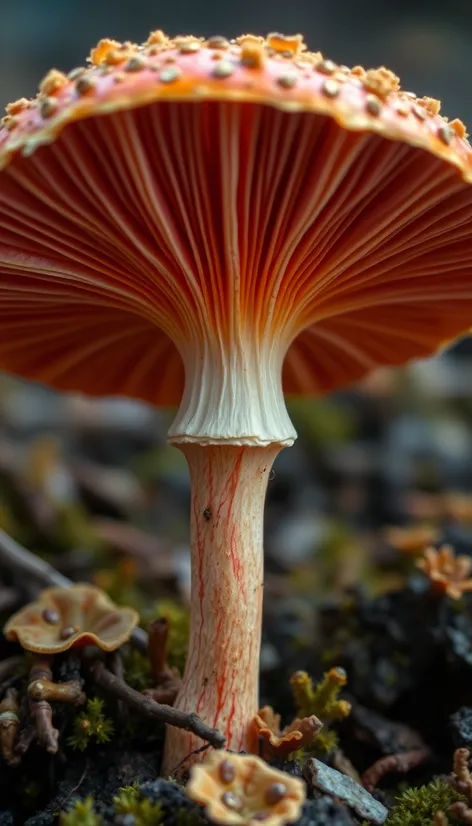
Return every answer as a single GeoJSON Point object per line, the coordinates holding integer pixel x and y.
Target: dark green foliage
{"type": "Point", "coordinates": [137, 669]}
{"type": "Point", "coordinates": [130, 801]}
{"type": "Point", "coordinates": [91, 725]}
{"type": "Point", "coordinates": [417, 806]}
{"type": "Point", "coordinates": [81, 813]}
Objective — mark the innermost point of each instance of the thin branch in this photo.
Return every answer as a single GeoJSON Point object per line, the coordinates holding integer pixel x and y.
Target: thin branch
{"type": "Point", "coordinates": [26, 564]}
{"type": "Point", "coordinates": [23, 562]}
{"type": "Point", "coordinates": [156, 711]}
{"type": "Point", "coordinates": [400, 763]}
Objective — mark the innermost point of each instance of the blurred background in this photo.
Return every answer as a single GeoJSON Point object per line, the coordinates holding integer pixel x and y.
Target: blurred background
{"type": "Point", "coordinates": [89, 483]}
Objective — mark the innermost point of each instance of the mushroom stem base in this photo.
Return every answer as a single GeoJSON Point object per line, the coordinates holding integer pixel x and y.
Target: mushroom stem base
{"type": "Point", "coordinates": [221, 678]}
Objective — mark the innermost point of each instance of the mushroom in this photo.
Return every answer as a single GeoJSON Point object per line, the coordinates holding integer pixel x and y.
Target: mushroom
{"type": "Point", "coordinates": [271, 741]}
{"type": "Point", "coordinates": [215, 223]}
{"type": "Point", "coordinates": [64, 618]}
{"type": "Point", "coordinates": [242, 789]}
{"type": "Point", "coordinates": [448, 574]}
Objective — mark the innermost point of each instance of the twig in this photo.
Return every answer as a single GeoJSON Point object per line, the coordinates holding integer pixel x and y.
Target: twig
{"type": "Point", "coordinates": [8, 599]}
{"type": "Point", "coordinates": [24, 563]}
{"type": "Point", "coordinates": [392, 764]}
{"type": "Point", "coordinates": [156, 711]}
{"type": "Point", "coordinates": [193, 753]}
{"type": "Point", "coordinates": [75, 788]}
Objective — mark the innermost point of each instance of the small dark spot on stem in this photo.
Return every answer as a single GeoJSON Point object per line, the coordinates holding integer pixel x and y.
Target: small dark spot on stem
{"type": "Point", "coordinates": [207, 514]}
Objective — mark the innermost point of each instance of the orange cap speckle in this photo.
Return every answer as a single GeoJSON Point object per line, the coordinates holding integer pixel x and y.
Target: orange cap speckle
{"type": "Point", "coordinates": [17, 106]}
{"type": "Point", "coordinates": [432, 106]}
{"type": "Point", "coordinates": [293, 44]}
{"type": "Point", "coordinates": [381, 82]}
{"type": "Point", "coordinates": [52, 82]}
{"type": "Point", "coordinates": [102, 50]}
{"type": "Point", "coordinates": [157, 38]}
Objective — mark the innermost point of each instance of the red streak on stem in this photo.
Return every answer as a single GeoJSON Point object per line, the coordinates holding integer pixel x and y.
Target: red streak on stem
{"type": "Point", "coordinates": [222, 672]}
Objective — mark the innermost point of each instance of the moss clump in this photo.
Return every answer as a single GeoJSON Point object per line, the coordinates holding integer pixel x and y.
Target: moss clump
{"type": "Point", "coordinates": [91, 725]}
{"type": "Point", "coordinates": [323, 701]}
{"type": "Point", "coordinates": [137, 669]}
{"type": "Point", "coordinates": [144, 812]}
{"type": "Point", "coordinates": [417, 806]}
{"type": "Point", "coordinates": [81, 813]}
{"type": "Point", "coordinates": [129, 804]}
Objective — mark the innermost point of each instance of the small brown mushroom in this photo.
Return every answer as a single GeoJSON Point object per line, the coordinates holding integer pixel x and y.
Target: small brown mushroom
{"type": "Point", "coordinates": [64, 618]}
{"type": "Point", "coordinates": [239, 790]}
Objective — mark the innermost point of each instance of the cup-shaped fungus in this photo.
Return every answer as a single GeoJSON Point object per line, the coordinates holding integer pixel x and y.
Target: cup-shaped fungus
{"type": "Point", "coordinates": [242, 789]}
{"type": "Point", "coordinates": [64, 618]}
{"type": "Point", "coordinates": [215, 223]}
{"type": "Point", "coordinates": [271, 741]}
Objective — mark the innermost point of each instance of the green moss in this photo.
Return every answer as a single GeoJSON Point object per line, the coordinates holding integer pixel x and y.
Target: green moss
{"type": "Point", "coordinates": [137, 669]}
{"type": "Point", "coordinates": [417, 806]}
{"type": "Point", "coordinates": [81, 813]}
{"type": "Point", "coordinates": [129, 801]}
{"type": "Point", "coordinates": [91, 725]}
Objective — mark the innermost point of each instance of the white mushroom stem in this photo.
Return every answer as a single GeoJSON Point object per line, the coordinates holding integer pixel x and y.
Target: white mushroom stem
{"type": "Point", "coordinates": [233, 391]}
{"type": "Point", "coordinates": [228, 484]}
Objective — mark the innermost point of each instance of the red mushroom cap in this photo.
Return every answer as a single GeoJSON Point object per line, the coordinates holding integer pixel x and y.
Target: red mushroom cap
{"type": "Point", "coordinates": [185, 185]}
